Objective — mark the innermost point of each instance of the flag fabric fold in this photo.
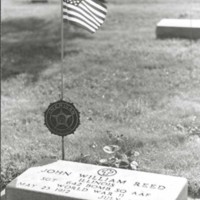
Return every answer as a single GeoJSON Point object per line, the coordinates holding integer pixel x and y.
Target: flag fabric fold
{"type": "Point", "coordinates": [89, 14]}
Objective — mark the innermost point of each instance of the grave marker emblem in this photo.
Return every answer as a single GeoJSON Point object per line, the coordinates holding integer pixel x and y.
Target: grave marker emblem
{"type": "Point", "coordinates": [62, 118]}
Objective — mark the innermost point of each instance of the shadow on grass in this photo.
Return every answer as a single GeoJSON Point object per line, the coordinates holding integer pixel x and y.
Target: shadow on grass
{"type": "Point", "coordinates": [30, 45]}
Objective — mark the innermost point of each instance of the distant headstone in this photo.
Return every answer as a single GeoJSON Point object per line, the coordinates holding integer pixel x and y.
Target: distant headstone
{"type": "Point", "coordinates": [63, 180]}
{"type": "Point", "coordinates": [178, 28]}
{"type": "Point", "coordinates": [39, 1]}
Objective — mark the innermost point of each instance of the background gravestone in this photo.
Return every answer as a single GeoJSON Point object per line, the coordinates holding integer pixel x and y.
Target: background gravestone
{"type": "Point", "coordinates": [178, 28]}
{"type": "Point", "coordinates": [39, 1]}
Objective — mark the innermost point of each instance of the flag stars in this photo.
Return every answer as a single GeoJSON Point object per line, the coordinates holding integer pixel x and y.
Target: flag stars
{"type": "Point", "coordinates": [74, 2]}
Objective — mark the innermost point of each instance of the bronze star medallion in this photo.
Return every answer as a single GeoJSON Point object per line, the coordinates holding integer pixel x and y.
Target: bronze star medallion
{"type": "Point", "coordinates": [62, 118]}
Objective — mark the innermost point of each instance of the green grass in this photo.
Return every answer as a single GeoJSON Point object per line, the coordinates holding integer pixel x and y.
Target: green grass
{"type": "Point", "coordinates": [122, 79]}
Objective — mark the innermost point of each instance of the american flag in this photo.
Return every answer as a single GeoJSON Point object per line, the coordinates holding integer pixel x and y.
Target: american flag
{"type": "Point", "coordinates": [89, 14]}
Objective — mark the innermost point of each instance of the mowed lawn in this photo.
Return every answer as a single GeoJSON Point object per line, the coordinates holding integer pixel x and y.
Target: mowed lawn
{"type": "Point", "coordinates": [126, 84]}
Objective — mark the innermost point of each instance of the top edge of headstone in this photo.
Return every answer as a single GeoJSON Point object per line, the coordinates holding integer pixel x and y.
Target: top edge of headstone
{"type": "Point", "coordinates": [187, 23]}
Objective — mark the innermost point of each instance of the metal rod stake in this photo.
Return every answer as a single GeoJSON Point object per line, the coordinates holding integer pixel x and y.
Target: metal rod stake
{"type": "Point", "coordinates": [63, 148]}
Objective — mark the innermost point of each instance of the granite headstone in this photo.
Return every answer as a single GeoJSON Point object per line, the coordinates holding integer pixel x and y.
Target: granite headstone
{"type": "Point", "coordinates": [70, 180]}
{"type": "Point", "coordinates": [178, 28]}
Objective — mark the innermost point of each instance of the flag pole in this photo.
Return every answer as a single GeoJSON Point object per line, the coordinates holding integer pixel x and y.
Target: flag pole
{"type": "Point", "coordinates": [62, 51]}
{"type": "Point", "coordinates": [62, 71]}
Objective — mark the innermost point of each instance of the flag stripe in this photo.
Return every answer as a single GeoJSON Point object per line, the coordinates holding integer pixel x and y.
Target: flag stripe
{"type": "Point", "coordinates": [80, 22]}
{"type": "Point", "coordinates": [81, 17]}
{"type": "Point", "coordinates": [101, 4]}
{"type": "Point", "coordinates": [80, 25]}
{"type": "Point", "coordinates": [96, 4]}
{"type": "Point", "coordinates": [69, 17]}
{"type": "Point", "coordinates": [81, 11]}
{"type": "Point", "coordinates": [94, 10]}
{"type": "Point", "coordinates": [98, 19]}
